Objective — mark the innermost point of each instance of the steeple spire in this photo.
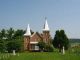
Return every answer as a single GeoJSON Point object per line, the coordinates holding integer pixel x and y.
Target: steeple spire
{"type": "Point", "coordinates": [28, 33]}
{"type": "Point", "coordinates": [46, 27]}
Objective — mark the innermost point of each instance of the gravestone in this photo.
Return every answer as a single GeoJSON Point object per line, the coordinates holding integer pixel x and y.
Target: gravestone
{"type": "Point", "coordinates": [8, 55]}
{"type": "Point", "coordinates": [63, 51]}
{"type": "Point", "coordinates": [14, 52]}
{"type": "Point", "coordinates": [3, 56]}
{"type": "Point", "coordinates": [0, 58]}
{"type": "Point", "coordinates": [18, 54]}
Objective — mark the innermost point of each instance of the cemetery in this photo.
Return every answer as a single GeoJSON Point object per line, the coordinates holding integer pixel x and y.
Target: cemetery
{"type": "Point", "coordinates": [71, 54]}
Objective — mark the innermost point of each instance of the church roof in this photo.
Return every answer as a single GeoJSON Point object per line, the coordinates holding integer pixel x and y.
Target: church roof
{"type": "Point", "coordinates": [28, 33]}
{"type": "Point", "coordinates": [37, 34]}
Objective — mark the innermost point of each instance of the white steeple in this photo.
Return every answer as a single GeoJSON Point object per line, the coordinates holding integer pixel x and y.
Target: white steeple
{"type": "Point", "coordinates": [28, 33]}
{"type": "Point", "coordinates": [46, 27]}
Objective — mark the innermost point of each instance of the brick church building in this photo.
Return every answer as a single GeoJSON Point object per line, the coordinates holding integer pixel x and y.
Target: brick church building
{"type": "Point", "coordinates": [31, 40]}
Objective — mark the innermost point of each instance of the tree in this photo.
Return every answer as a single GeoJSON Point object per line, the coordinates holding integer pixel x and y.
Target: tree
{"type": "Point", "coordinates": [11, 39]}
{"type": "Point", "coordinates": [2, 40]}
{"type": "Point", "coordinates": [60, 40]}
{"type": "Point", "coordinates": [13, 45]}
{"type": "Point", "coordinates": [48, 48]}
{"type": "Point", "coordinates": [45, 47]}
{"type": "Point", "coordinates": [41, 45]}
{"type": "Point", "coordinates": [10, 34]}
{"type": "Point", "coordinates": [2, 34]}
{"type": "Point", "coordinates": [18, 36]}
{"type": "Point", "coordinates": [18, 33]}
{"type": "Point", "coordinates": [1, 47]}
{"type": "Point", "coordinates": [15, 39]}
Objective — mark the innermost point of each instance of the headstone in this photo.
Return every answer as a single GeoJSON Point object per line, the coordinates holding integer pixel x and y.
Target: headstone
{"type": "Point", "coordinates": [14, 52]}
{"type": "Point", "coordinates": [63, 51]}
{"type": "Point", "coordinates": [0, 58]}
{"type": "Point", "coordinates": [72, 50]}
{"type": "Point", "coordinates": [18, 54]}
{"type": "Point", "coordinates": [8, 55]}
{"type": "Point", "coordinates": [3, 56]}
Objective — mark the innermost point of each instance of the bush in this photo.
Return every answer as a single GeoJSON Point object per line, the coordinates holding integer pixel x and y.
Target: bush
{"type": "Point", "coordinates": [13, 45]}
{"type": "Point", "coordinates": [48, 48]}
{"type": "Point", "coordinates": [45, 47]}
{"type": "Point", "coordinates": [41, 45]}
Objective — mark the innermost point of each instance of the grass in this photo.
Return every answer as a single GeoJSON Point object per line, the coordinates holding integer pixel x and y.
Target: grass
{"type": "Point", "coordinates": [42, 56]}
{"type": "Point", "coordinates": [71, 54]}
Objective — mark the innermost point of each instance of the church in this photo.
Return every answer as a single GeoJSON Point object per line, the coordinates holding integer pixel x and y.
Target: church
{"type": "Point", "coordinates": [31, 40]}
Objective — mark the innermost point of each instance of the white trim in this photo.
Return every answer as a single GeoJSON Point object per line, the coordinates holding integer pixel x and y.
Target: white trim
{"type": "Point", "coordinates": [33, 42]}
{"type": "Point", "coordinates": [33, 34]}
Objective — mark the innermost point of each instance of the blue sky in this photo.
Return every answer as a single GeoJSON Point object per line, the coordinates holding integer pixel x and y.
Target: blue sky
{"type": "Point", "coordinates": [61, 14]}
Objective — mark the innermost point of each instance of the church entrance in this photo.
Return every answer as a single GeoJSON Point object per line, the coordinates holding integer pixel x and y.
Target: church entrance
{"type": "Point", "coordinates": [33, 46]}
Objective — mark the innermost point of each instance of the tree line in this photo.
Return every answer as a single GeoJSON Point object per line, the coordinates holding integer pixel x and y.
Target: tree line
{"type": "Point", "coordinates": [13, 40]}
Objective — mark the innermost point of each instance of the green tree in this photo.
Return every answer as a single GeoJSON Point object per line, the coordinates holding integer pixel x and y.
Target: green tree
{"type": "Point", "coordinates": [15, 39]}
{"type": "Point", "coordinates": [48, 48]}
{"type": "Point", "coordinates": [13, 45]}
{"type": "Point", "coordinates": [41, 45]}
{"type": "Point", "coordinates": [10, 34]}
{"type": "Point", "coordinates": [60, 40]}
{"type": "Point", "coordinates": [45, 47]}
{"type": "Point", "coordinates": [11, 39]}
{"type": "Point", "coordinates": [2, 40]}
{"type": "Point", "coordinates": [1, 47]}
{"type": "Point", "coordinates": [2, 33]}
{"type": "Point", "coordinates": [18, 36]}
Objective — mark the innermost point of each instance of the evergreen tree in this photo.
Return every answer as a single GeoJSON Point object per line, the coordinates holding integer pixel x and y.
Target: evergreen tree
{"type": "Point", "coordinates": [60, 40]}
{"type": "Point", "coordinates": [2, 41]}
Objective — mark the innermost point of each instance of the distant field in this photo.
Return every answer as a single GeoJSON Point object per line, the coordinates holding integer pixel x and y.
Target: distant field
{"type": "Point", "coordinates": [74, 40]}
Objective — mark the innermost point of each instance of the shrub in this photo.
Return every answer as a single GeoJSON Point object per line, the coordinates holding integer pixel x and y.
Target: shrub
{"type": "Point", "coordinates": [48, 48]}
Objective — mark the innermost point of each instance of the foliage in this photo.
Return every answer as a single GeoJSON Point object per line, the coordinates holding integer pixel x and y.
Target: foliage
{"type": "Point", "coordinates": [11, 39]}
{"type": "Point", "coordinates": [48, 48]}
{"type": "Point", "coordinates": [2, 40]}
{"type": "Point", "coordinates": [13, 45]}
{"type": "Point", "coordinates": [10, 34]}
{"type": "Point", "coordinates": [1, 47]}
{"type": "Point", "coordinates": [45, 47]}
{"type": "Point", "coordinates": [60, 40]}
{"type": "Point", "coordinates": [41, 45]}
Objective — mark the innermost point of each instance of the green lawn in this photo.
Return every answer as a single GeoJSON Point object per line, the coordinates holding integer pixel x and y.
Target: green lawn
{"type": "Point", "coordinates": [71, 54]}
{"type": "Point", "coordinates": [42, 56]}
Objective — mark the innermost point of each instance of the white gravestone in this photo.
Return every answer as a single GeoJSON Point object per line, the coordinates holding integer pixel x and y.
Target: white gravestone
{"type": "Point", "coordinates": [8, 55]}
{"type": "Point", "coordinates": [0, 58]}
{"type": "Point", "coordinates": [14, 52]}
{"type": "Point", "coordinates": [18, 54]}
{"type": "Point", "coordinates": [63, 50]}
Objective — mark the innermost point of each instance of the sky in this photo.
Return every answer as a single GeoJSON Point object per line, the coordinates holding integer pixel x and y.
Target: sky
{"type": "Point", "coordinates": [61, 14]}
